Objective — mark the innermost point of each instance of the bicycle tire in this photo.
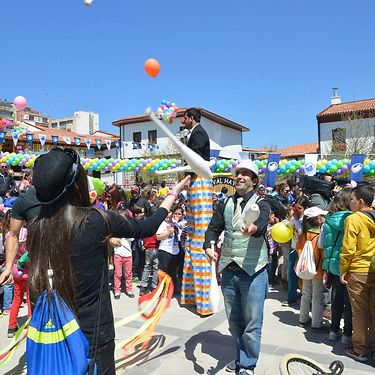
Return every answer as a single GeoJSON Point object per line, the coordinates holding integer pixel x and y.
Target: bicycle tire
{"type": "Point", "coordinates": [297, 364]}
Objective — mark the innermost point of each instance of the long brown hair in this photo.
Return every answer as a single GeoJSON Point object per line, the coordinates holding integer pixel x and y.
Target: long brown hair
{"type": "Point", "coordinates": [340, 201]}
{"type": "Point", "coordinates": [51, 236]}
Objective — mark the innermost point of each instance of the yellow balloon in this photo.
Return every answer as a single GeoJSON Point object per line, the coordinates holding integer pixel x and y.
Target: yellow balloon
{"type": "Point", "coordinates": [281, 232]}
{"type": "Point", "coordinates": [367, 161]}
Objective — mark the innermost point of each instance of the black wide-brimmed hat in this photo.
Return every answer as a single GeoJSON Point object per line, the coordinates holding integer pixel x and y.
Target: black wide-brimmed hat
{"type": "Point", "coordinates": [54, 173]}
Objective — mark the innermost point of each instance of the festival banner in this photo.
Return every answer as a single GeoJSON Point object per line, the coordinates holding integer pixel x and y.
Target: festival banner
{"type": "Point", "coordinates": [15, 137]}
{"type": "Point", "coordinates": [77, 141]}
{"type": "Point", "coordinates": [356, 168]}
{"type": "Point", "coordinates": [271, 171]}
{"type": "Point", "coordinates": [108, 143]}
{"type": "Point", "coordinates": [310, 164]}
{"type": "Point", "coordinates": [98, 143]}
{"type": "Point", "coordinates": [2, 137]}
{"type": "Point", "coordinates": [117, 144]}
{"type": "Point", "coordinates": [88, 143]}
{"type": "Point", "coordinates": [55, 139]}
{"type": "Point", "coordinates": [29, 139]}
{"type": "Point", "coordinates": [42, 139]}
{"type": "Point", "coordinates": [67, 140]}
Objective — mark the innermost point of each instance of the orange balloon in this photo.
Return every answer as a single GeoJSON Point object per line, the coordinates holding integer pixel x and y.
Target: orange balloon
{"type": "Point", "coordinates": [152, 67]}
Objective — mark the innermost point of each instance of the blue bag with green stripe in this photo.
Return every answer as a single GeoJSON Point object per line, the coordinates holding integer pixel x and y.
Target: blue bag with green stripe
{"type": "Point", "coordinates": [55, 343]}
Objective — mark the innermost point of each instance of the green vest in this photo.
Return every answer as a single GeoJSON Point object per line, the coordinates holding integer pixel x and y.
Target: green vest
{"type": "Point", "coordinates": [250, 253]}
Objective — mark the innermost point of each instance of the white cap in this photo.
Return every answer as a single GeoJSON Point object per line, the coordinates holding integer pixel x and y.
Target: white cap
{"type": "Point", "coordinates": [314, 212]}
{"type": "Point", "coordinates": [247, 164]}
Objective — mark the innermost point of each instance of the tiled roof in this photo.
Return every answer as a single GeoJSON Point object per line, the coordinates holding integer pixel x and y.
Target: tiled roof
{"type": "Point", "coordinates": [335, 112]}
{"type": "Point", "coordinates": [64, 133]}
{"type": "Point", "coordinates": [286, 152]}
{"type": "Point", "coordinates": [204, 112]}
{"type": "Point", "coordinates": [298, 150]}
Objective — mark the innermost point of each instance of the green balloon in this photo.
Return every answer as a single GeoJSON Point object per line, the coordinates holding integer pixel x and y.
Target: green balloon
{"type": "Point", "coordinates": [98, 185]}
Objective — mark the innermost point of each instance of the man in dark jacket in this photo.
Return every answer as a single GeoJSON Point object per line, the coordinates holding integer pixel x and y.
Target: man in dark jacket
{"type": "Point", "coordinates": [6, 180]}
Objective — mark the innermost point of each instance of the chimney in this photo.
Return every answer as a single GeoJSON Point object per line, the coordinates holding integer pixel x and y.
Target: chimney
{"type": "Point", "coordinates": [335, 98]}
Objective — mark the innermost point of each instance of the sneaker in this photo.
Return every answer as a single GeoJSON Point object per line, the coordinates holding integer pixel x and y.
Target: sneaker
{"type": "Point", "coordinates": [117, 296]}
{"type": "Point", "coordinates": [287, 303]}
{"type": "Point", "coordinates": [321, 329]}
{"type": "Point", "coordinates": [130, 295]}
{"type": "Point", "coordinates": [305, 324]}
{"type": "Point", "coordinates": [6, 312]}
{"type": "Point", "coordinates": [12, 332]}
{"type": "Point", "coordinates": [346, 340]}
{"type": "Point", "coordinates": [358, 357]}
{"type": "Point", "coordinates": [334, 336]}
{"type": "Point", "coordinates": [232, 366]}
{"type": "Point", "coordinates": [143, 291]}
{"type": "Point", "coordinates": [245, 371]}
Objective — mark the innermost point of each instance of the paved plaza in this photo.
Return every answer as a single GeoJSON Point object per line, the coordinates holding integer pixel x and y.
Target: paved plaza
{"type": "Point", "coordinates": [184, 343]}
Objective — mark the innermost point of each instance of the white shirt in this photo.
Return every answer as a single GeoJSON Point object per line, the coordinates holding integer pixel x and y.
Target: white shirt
{"type": "Point", "coordinates": [167, 244]}
{"type": "Point", "coordinates": [125, 250]}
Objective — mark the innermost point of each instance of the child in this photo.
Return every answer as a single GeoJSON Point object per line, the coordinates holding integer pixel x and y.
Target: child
{"type": "Point", "coordinates": [272, 246]}
{"type": "Point", "coordinates": [167, 234]}
{"type": "Point", "coordinates": [178, 218]}
{"type": "Point", "coordinates": [21, 284]}
{"type": "Point", "coordinates": [8, 288]}
{"type": "Point", "coordinates": [312, 290]}
{"type": "Point", "coordinates": [150, 245]}
{"type": "Point", "coordinates": [299, 207]}
{"type": "Point", "coordinates": [123, 257]}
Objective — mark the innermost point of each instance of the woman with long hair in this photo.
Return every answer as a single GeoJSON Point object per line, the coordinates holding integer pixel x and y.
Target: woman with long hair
{"type": "Point", "coordinates": [70, 237]}
{"type": "Point", "coordinates": [333, 233]}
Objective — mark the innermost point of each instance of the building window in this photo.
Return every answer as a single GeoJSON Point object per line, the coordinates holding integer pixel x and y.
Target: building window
{"type": "Point", "coordinates": [152, 137]}
{"type": "Point", "coordinates": [54, 125]}
{"type": "Point", "coordinates": [339, 139]}
{"type": "Point", "coordinates": [137, 139]}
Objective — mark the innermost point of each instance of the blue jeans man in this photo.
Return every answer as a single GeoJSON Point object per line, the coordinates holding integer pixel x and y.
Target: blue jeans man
{"type": "Point", "coordinates": [244, 297]}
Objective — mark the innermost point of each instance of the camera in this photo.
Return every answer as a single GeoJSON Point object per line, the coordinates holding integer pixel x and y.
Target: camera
{"type": "Point", "coordinates": [316, 185]}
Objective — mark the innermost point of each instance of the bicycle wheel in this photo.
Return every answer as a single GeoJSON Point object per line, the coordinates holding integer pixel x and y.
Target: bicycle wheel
{"type": "Point", "coordinates": [296, 364]}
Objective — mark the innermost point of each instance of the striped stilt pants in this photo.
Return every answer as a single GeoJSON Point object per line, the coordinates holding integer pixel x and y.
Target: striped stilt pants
{"type": "Point", "coordinates": [197, 269]}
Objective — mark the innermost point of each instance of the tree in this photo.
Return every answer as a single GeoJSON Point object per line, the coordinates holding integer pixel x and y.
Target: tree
{"type": "Point", "coordinates": [355, 135]}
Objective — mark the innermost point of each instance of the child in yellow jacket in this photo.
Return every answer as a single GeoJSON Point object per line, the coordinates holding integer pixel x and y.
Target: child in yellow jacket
{"type": "Point", "coordinates": [358, 248]}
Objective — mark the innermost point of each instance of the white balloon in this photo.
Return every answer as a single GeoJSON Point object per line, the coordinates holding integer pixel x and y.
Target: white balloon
{"type": "Point", "coordinates": [88, 2]}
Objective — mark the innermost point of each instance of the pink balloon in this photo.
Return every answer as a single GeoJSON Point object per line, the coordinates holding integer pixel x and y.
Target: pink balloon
{"type": "Point", "coordinates": [20, 103]}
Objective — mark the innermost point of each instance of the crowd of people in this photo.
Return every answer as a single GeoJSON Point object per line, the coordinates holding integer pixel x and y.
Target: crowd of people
{"type": "Point", "coordinates": [146, 227]}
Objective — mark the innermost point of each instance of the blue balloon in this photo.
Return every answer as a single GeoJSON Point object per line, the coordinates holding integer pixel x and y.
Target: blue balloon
{"type": "Point", "coordinates": [282, 169]}
{"type": "Point", "coordinates": [366, 168]}
{"type": "Point", "coordinates": [372, 164]}
{"type": "Point", "coordinates": [323, 169]}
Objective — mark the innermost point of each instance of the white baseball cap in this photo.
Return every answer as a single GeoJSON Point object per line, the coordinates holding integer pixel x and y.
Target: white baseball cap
{"type": "Point", "coordinates": [314, 212]}
{"type": "Point", "coordinates": [247, 164]}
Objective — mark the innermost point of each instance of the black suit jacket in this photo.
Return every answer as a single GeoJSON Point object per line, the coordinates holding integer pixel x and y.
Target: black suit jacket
{"type": "Point", "coordinates": [199, 142]}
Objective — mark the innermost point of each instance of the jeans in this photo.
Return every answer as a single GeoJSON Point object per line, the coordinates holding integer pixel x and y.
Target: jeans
{"type": "Point", "coordinates": [244, 297]}
{"type": "Point", "coordinates": [340, 305]}
{"type": "Point", "coordinates": [312, 294]}
{"type": "Point", "coordinates": [151, 266]}
{"type": "Point", "coordinates": [285, 248]}
{"type": "Point", "coordinates": [292, 277]}
{"type": "Point", "coordinates": [8, 296]}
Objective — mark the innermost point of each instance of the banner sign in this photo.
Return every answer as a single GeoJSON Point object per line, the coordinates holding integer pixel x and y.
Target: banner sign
{"type": "Point", "coordinates": [55, 140]}
{"type": "Point", "coordinates": [310, 164]}
{"type": "Point", "coordinates": [77, 141]}
{"type": "Point", "coordinates": [223, 181]}
{"type": "Point", "coordinates": [98, 143]}
{"type": "Point", "coordinates": [42, 139]}
{"type": "Point", "coordinates": [271, 171]}
{"type": "Point", "coordinates": [29, 139]}
{"type": "Point", "coordinates": [88, 143]}
{"type": "Point", "coordinates": [356, 168]}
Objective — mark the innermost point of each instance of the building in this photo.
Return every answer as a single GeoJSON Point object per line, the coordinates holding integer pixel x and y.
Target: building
{"type": "Point", "coordinates": [346, 128]}
{"type": "Point", "coordinates": [81, 122]}
{"type": "Point", "coordinates": [9, 112]}
{"type": "Point", "coordinates": [141, 137]}
{"type": "Point", "coordinates": [297, 152]}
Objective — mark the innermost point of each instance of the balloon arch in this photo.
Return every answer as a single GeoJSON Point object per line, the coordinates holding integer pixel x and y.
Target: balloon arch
{"type": "Point", "coordinates": [286, 167]}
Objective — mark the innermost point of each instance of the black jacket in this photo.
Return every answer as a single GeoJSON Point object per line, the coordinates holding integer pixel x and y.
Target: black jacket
{"type": "Point", "coordinates": [199, 142]}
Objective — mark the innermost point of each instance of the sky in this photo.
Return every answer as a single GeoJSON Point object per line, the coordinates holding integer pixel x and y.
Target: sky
{"type": "Point", "coordinates": [269, 65]}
